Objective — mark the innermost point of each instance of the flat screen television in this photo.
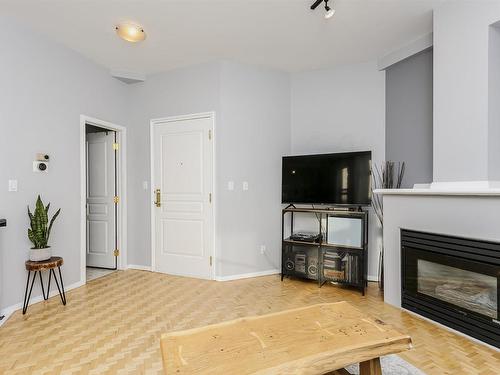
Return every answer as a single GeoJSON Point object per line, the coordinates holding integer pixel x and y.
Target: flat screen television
{"type": "Point", "coordinates": [335, 179]}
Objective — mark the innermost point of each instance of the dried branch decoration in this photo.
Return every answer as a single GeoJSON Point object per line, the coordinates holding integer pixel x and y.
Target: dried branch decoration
{"type": "Point", "coordinates": [388, 175]}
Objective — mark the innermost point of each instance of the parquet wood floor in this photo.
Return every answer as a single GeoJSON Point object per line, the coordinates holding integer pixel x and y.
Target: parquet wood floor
{"type": "Point", "coordinates": [113, 324]}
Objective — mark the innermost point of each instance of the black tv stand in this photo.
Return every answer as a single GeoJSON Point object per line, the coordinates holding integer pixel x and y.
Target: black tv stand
{"type": "Point", "coordinates": [325, 261]}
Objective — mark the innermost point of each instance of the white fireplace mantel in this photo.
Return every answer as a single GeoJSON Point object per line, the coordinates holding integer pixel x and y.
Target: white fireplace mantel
{"type": "Point", "coordinates": [463, 188]}
{"type": "Point", "coordinates": [453, 192]}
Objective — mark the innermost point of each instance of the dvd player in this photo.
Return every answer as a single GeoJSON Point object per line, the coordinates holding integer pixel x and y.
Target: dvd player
{"type": "Point", "coordinates": [306, 237]}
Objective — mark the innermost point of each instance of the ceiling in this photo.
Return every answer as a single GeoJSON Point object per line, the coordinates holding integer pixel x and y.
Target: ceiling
{"type": "Point", "coordinates": [282, 34]}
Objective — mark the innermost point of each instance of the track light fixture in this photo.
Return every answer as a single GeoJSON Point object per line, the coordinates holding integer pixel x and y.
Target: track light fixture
{"type": "Point", "coordinates": [329, 11]}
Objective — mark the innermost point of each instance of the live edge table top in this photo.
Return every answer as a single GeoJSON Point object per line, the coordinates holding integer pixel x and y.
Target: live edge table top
{"type": "Point", "coordinates": [310, 340]}
{"type": "Point", "coordinates": [44, 264]}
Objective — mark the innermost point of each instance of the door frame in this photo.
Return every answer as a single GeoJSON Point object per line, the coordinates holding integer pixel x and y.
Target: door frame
{"type": "Point", "coordinates": [121, 171]}
{"type": "Point", "coordinates": [164, 120]}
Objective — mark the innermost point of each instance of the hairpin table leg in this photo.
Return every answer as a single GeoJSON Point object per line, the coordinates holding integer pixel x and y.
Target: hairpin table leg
{"type": "Point", "coordinates": [45, 297]}
{"type": "Point", "coordinates": [62, 285]}
{"type": "Point", "coordinates": [61, 291]}
{"type": "Point", "coordinates": [26, 294]}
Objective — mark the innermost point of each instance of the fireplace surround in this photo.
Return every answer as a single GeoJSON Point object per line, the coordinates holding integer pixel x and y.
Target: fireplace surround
{"type": "Point", "coordinates": [454, 281]}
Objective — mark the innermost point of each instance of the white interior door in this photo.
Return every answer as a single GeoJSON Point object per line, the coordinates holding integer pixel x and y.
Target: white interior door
{"type": "Point", "coordinates": [101, 208]}
{"type": "Point", "coordinates": [183, 219]}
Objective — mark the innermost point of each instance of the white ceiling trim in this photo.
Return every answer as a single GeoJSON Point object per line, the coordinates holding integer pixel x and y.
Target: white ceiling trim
{"type": "Point", "coordinates": [128, 77]}
{"type": "Point", "coordinates": [418, 45]}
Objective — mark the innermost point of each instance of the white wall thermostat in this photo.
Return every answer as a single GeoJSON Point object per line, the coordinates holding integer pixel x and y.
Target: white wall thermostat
{"type": "Point", "coordinates": [41, 163]}
{"type": "Point", "coordinates": [40, 166]}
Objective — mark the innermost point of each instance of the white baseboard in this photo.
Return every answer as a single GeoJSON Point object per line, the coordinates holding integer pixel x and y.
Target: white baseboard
{"type": "Point", "coordinates": [139, 267]}
{"type": "Point", "coordinates": [8, 311]}
{"type": "Point", "coordinates": [266, 273]}
{"type": "Point", "coordinates": [247, 275]}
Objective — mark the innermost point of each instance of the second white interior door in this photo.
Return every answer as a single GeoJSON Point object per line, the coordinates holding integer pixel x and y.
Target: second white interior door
{"type": "Point", "coordinates": [101, 208]}
{"type": "Point", "coordinates": [183, 208]}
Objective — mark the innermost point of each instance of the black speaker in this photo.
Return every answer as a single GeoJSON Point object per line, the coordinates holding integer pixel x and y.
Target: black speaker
{"type": "Point", "coordinates": [312, 265]}
{"type": "Point", "coordinates": [289, 264]}
{"type": "Point", "coordinates": [288, 260]}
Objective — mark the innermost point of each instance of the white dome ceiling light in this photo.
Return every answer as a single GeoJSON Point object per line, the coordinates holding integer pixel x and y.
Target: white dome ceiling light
{"type": "Point", "coordinates": [329, 11]}
{"type": "Point", "coordinates": [130, 32]}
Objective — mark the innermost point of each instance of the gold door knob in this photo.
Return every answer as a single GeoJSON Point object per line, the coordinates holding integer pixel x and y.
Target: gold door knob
{"type": "Point", "coordinates": [158, 198]}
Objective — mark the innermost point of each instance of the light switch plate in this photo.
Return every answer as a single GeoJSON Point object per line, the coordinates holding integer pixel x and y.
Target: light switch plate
{"type": "Point", "coordinates": [12, 185]}
{"type": "Point", "coordinates": [145, 185]}
{"type": "Point", "coordinates": [245, 185]}
{"type": "Point", "coordinates": [230, 185]}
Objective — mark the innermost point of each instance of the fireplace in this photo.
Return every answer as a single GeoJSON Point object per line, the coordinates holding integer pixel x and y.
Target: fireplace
{"type": "Point", "coordinates": [453, 281]}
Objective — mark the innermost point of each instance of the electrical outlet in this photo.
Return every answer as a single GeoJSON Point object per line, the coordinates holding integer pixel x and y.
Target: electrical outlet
{"type": "Point", "coordinates": [262, 249]}
{"type": "Point", "coordinates": [245, 185]}
{"type": "Point", "coordinates": [230, 185]}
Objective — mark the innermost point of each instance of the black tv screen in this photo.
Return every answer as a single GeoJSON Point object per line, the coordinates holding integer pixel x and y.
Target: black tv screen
{"type": "Point", "coordinates": [341, 178]}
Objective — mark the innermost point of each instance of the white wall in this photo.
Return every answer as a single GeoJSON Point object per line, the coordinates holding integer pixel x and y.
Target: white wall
{"type": "Point", "coordinates": [461, 147]}
{"type": "Point", "coordinates": [341, 109]}
{"type": "Point", "coordinates": [253, 133]}
{"type": "Point", "coordinates": [493, 100]}
{"type": "Point", "coordinates": [408, 129]}
{"type": "Point", "coordinates": [45, 88]}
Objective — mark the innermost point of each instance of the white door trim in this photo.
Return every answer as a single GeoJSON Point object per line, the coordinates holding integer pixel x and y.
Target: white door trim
{"type": "Point", "coordinates": [121, 133]}
{"type": "Point", "coordinates": [158, 121]}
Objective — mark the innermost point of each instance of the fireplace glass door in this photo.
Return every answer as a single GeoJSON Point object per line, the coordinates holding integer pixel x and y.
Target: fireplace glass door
{"type": "Point", "coordinates": [454, 281]}
{"type": "Point", "coordinates": [465, 285]}
{"type": "Point", "coordinates": [469, 290]}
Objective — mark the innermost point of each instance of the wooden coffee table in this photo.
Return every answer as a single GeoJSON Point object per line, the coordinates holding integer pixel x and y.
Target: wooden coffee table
{"type": "Point", "coordinates": [318, 339]}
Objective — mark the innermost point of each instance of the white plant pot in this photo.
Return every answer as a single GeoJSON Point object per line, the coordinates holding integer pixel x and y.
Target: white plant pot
{"type": "Point", "coordinates": [37, 255]}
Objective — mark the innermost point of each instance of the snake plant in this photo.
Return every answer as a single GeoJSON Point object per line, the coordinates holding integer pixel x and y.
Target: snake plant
{"type": "Point", "coordinates": [40, 228]}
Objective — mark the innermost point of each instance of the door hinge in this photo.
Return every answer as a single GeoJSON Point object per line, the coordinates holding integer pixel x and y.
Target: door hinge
{"type": "Point", "coordinates": [158, 198]}
{"type": "Point", "coordinates": [209, 134]}
{"type": "Point", "coordinates": [209, 197]}
{"type": "Point", "coordinates": [210, 261]}
{"type": "Point", "coordinates": [116, 146]}
{"type": "Point", "coordinates": [116, 199]}
{"type": "Point", "coordinates": [116, 252]}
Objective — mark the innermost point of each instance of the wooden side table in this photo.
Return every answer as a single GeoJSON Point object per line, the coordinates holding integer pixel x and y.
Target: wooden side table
{"type": "Point", "coordinates": [38, 267]}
